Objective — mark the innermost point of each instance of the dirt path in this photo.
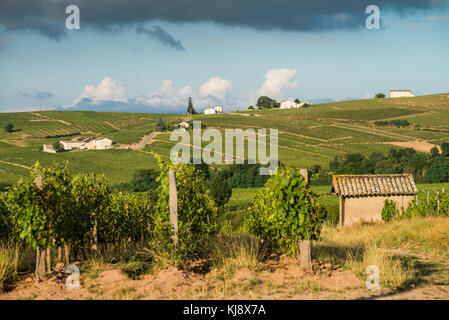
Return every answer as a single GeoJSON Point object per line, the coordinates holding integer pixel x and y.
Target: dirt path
{"type": "Point", "coordinates": [15, 164]}
{"type": "Point", "coordinates": [49, 119]}
{"type": "Point", "coordinates": [111, 125]}
{"type": "Point", "coordinates": [148, 139]}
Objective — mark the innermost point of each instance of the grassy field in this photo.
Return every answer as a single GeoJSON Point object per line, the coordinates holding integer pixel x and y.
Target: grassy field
{"type": "Point", "coordinates": [307, 136]}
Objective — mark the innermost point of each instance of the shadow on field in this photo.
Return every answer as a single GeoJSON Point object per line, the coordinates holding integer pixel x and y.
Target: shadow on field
{"type": "Point", "coordinates": [399, 272]}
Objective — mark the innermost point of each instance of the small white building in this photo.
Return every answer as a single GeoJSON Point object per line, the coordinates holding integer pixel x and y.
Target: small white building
{"type": "Point", "coordinates": [289, 104]}
{"type": "Point", "coordinates": [98, 143]}
{"type": "Point", "coordinates": [48, 148]}
{"type": "Point", "coordinates": [400, 93]}
{"type": "Point", "coordinates": [216, 110]}
{"type": "Point", "coordinates": [183, 124]}
{"type": "Point", "coordinates": [92, 143]}
{"type": "Point", "coordinates": [70, 145]}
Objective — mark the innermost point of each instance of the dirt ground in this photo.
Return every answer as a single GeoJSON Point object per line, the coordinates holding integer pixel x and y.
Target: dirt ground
{"type": "Point", "coordinates": [281, 278]}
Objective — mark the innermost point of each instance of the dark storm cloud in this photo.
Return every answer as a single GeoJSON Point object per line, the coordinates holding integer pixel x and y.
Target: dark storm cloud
{"type": "Point", "coordinates": [48, 17]}
{"type": "Point", "coordinates": [162, 36]}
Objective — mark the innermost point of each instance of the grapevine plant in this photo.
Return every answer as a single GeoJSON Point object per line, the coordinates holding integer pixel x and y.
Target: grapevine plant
{"type": "Point", "coordinates": [196, 212]}
{"type": "Point", "coordinates": [285, 211]}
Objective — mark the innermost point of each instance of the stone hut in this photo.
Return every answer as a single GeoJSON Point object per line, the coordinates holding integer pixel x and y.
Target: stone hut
{"type": "Point", "coordinates": [362, 196]}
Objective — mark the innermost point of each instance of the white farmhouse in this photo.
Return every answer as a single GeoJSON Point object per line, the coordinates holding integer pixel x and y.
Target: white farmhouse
{"type": "Point", "coordinates": [70, 145]}
{"type": "Point", "coordinates": [400, 93]}
{"type": "Point", "coordinates": [209, 111]}
{"type": "Point", "coordinates": [216, 110]}
{"type": "Point", "coordinates": [288, 104]}
{"type": "Point", "coordinates": [48, 148]}
{"type": "Point", "coordinates": [92, 143]}
{"type": "Point", "coordinates": [98, 143]}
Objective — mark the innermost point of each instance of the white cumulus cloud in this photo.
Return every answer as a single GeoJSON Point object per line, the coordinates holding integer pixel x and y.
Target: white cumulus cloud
{"type": "Point", "coordinates": [276, 80]}
{"type": "Point", "coordinates": [108, 89]}
{"type": "Point", "coordinates": [216, 87]}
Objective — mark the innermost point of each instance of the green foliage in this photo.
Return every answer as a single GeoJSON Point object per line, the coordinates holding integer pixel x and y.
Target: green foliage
{"type": "Point", "coordinates": [40, 212]}
{"type": "Point", "coordinates": [220, 190]}
{"type": "Point", "coordinates": [250, 108]}
{"type": "Point", "coordinates": [197, 212]}
{"type": "Point", "coordinates": [389, 211]}
{"type": "Point", "coordinates": [143, 180]}
{"type": "Point", "coordinates": [445, 149]}
{"type": "Point", "coordinates": [57, 146]}
{"type": "Point", "coordinates": [125, 218]}
{"type": "Point", "coordinates": [434, 152]}
{"type": "Point", "coordinates": [379, 95]}
{"type": "Point", "coordinates": [190, 109]}
{"type": "Point", "coordinates": [266, 102]}
{"type": "Point", "coordinates": [9, 128]}
{"type": "Point", "coordinates": [438, 171]}
{"type": "Point", "coordinates": [396, 123]}
{"type": "Point", "coordinates": [286, 211]}
{"type": "Point", "coordinates": [243, 175]}
{"type": "Point", "coordinates": [396, 161]}
{"type": "Point", "coordinates": [7, 227]}
{"type": "Point", "coordinates": [160, 125]}
{"type": "Point", "coordinates": [63, 135]}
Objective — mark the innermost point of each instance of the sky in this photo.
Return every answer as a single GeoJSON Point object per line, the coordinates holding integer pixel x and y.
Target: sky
{"type": "Point", "coordinates": [150, 56]}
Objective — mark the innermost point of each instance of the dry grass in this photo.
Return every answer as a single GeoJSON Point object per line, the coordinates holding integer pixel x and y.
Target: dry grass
{"type": "Point", "coordinates": [13, 259]}
{"type": "Point", "coordinates": [430, 235]}
{"type": "Point", "coordinates": [230, 252]}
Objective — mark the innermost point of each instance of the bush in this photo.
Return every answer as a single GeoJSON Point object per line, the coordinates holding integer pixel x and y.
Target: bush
{"type": "Point", "coordinates": [389, 211]}
{"type": "Point", "coordinates": [286, 211]}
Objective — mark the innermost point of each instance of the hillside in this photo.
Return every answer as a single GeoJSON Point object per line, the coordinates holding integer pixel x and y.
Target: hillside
{"type": "Point", "coordinates": [307, 136]}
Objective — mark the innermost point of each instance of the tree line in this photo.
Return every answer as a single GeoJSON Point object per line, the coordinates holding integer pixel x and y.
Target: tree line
{"type": "Point", "coordinates": [425, 168]}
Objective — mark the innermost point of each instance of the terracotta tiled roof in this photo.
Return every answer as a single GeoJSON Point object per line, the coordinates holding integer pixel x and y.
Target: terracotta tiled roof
{"type": "Point", "coordinates": [373, 185]}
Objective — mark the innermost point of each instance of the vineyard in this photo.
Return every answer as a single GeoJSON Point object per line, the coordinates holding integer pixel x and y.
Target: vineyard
{"type": "Point", "coordinates": [58, 210]}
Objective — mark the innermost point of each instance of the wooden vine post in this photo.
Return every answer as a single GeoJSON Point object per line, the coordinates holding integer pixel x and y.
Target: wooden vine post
{"type": "Point", "coordinates": [40, 252]}
{"type": "Point", "coordinates": [173, 205]}
{"type": "Point", "coordinates": [305, 246]}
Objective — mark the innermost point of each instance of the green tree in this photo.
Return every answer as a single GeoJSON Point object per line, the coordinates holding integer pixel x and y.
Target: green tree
{"type": "Point", "coordinates": [380, 95]}
{"type": "Point", "coordinates": [9, 128]}
{"type": "Point", "coordinates": [266, 102]}
{"type": "Point", "coordinates": [250, 108]}
{"type": "Point", "coordinates": [57, 146]}
{"type": "Point", "coordinates": [160, 125]}
{"type": "Point", "coordinates": [220, 190]}
{"type": "Point", "coordinates": [286, 211]}
{"type": "Point", "coordinates": [190, 109]}
{"type": "Point", "coordinates": [445, 149]}
{"type": "Point", "coordinates": [434, 152]}
{"type": "Point", "coordinates": [297, 100]}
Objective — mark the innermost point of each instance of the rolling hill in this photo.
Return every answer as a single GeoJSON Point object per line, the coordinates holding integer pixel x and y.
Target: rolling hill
{"type": "Point", "coordinates": [307, 136]}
